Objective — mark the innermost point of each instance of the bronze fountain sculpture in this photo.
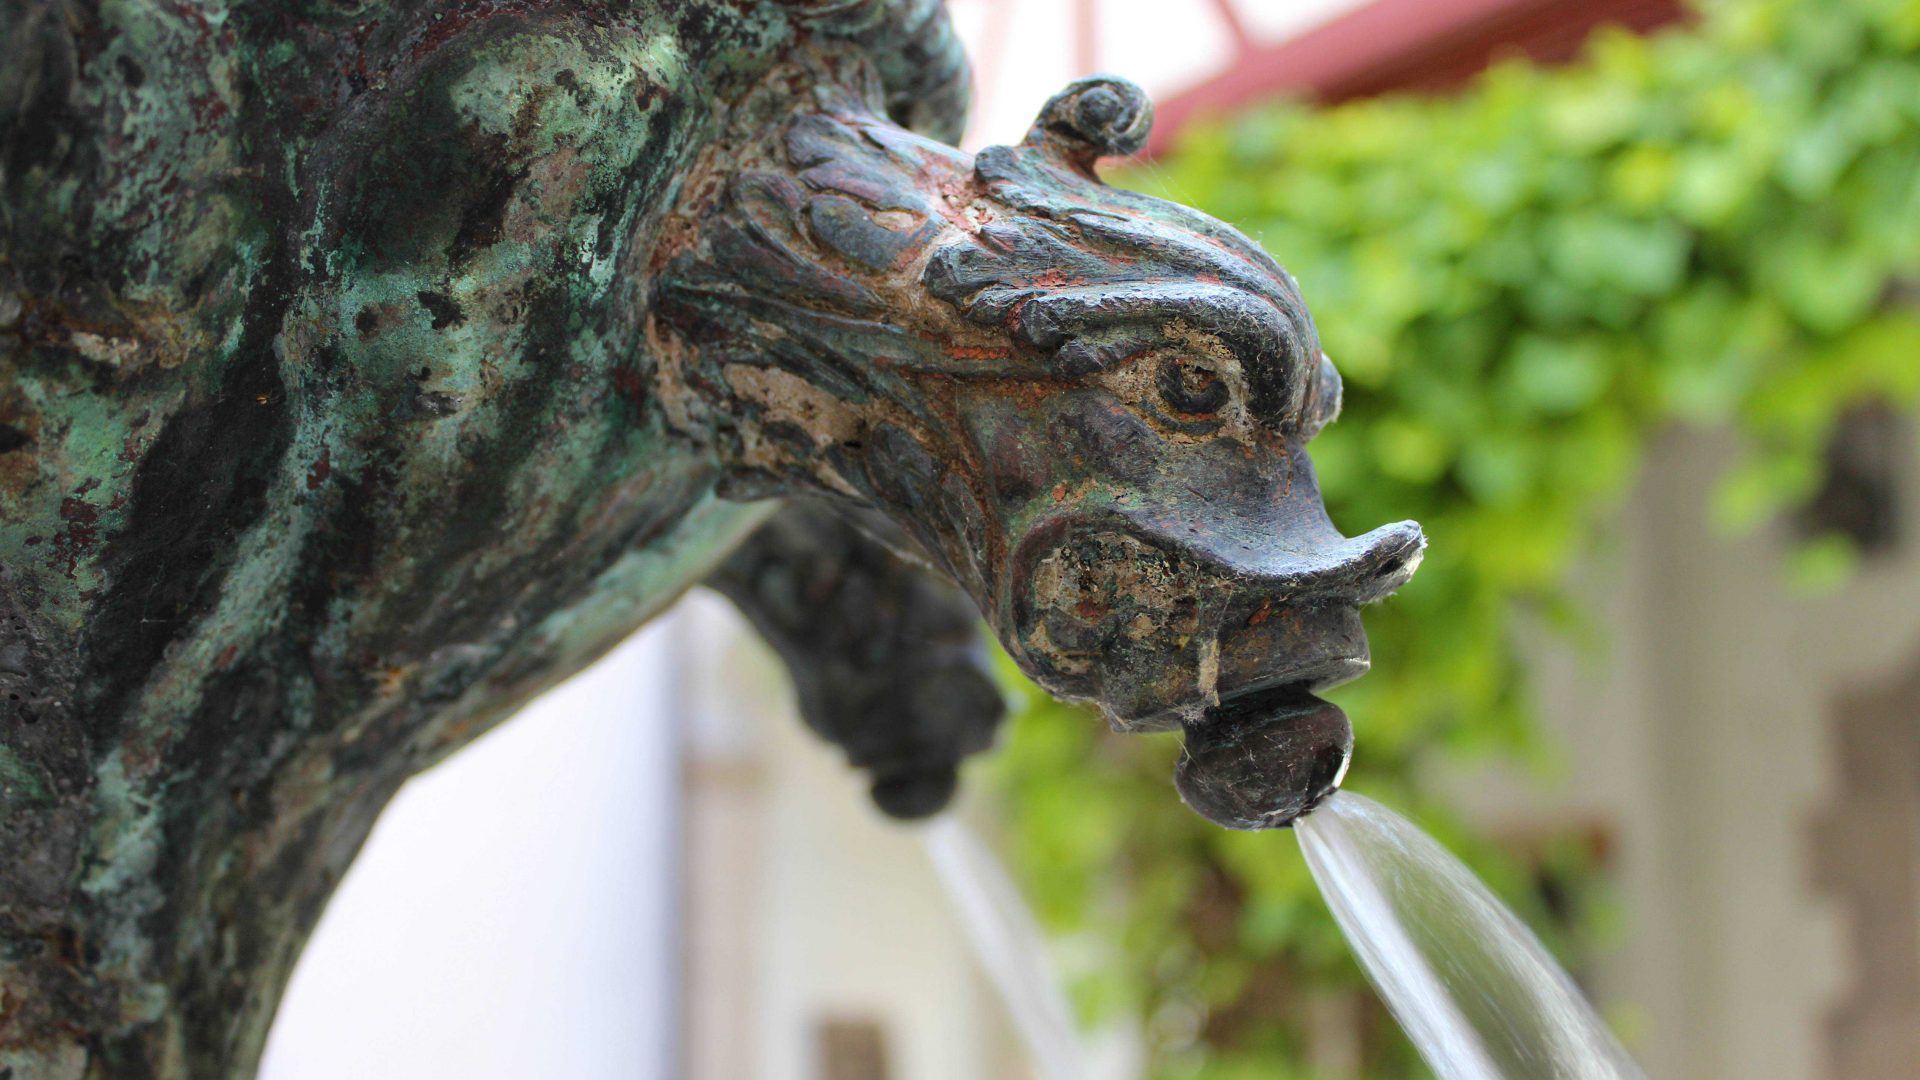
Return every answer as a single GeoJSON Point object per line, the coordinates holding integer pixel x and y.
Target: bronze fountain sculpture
{"type": "Point", "coordinates": [372, 365]}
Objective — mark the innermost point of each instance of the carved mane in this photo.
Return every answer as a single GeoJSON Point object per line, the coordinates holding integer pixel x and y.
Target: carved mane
{"type": "Point", "coordinates": [810, 259]}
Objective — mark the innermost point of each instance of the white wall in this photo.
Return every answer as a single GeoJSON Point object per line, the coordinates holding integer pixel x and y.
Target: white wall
{"type": "Point", "coordinates": [512, 914]}
{"type": "Point", "coordinates": [1024, 51]}
{"type": "Point", "coordinates": [808, 905]}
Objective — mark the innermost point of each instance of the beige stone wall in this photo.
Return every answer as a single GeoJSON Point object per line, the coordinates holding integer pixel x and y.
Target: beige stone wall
{"type": "Point", "coordinates": [816, 933]}
{"type": "Point", "coordinates": [1705, 742]}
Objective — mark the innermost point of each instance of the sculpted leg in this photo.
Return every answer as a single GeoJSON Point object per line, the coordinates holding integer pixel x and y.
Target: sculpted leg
{"type": "Point", "coordinates": [886, 659]}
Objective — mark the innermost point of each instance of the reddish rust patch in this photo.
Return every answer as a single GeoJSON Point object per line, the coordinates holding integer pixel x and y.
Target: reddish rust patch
{"type": "Point", "coordinates": [630, 383]}
{"type": "Point", "coordinates": [82, 532]}
{"type": "Point", "coordinates": [191, 13]}
{"type": "Point", "coordinates": [317, 474]}
{"type": "Point", "coordinates": [972, 352]}
{"type": "Point", "coordinates": [1260, 616]}
{"type": "Point", "coordinates": [210, 109]}
{"type": "Point", "coordinates": [446, 22]}
{"type": "Point", "coordinates": [1012, 321]}
{"type": "Point", "coordinates": [225, 659]}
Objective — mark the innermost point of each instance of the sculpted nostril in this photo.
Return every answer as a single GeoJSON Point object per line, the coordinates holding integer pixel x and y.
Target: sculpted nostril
{"type": "Point", "coordinates": [1375, 564]}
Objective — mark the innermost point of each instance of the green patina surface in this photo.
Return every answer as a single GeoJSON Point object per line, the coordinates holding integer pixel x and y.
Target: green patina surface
{"type": "Point", "coordinates": [328, 436]}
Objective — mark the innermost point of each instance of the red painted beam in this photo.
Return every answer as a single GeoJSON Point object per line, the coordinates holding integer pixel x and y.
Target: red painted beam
{"type": "Point", "coordinates": [1086, 37]}
{"type": "Point", "coordinates": [1391, 45]}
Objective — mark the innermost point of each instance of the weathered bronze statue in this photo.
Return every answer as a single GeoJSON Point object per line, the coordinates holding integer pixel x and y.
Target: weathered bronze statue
{"type": "Point", "coordinates": [371, 365]}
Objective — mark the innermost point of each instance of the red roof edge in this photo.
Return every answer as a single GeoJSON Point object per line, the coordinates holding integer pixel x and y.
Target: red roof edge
{"type": "Point", "coordinates": [1391, 45]}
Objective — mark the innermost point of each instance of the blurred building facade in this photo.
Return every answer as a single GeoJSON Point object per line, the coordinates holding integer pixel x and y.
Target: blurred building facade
{"type": "Point", "coordinates": [1751, 756]}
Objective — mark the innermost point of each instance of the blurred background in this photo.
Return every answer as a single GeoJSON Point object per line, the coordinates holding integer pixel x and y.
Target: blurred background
{"type": "Point", "coordinates": [1627, 298]}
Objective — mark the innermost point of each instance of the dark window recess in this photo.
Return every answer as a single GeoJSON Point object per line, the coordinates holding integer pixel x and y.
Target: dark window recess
{"type": "Point", "coordinates": [1861, 857]}
{"type": "Point", "coordinates": [853, 1049]}
{"type": "Point", "coordinates": [1860, 498]}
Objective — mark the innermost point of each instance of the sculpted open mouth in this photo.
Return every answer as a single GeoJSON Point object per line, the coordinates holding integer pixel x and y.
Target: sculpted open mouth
{"type": "Point", "coordinates": [1157, 625]}
{"type": "Point", "coordinates": [1260, 760]}
{"type": "Point", "coordinates": [1264, 654]}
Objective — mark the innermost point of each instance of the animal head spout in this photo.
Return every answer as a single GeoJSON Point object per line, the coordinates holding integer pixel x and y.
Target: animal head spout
{"type": "Point", "coordinates": [1088, 406]}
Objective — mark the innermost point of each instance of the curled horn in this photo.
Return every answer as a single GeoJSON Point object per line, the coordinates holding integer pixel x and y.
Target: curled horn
{"type": "Point", "coordinates": [1099, 116]}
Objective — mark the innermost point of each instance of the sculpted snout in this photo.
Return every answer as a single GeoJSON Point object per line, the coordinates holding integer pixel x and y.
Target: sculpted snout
{"type": "Point", "coordinates": [1160, 616]}
{"type": "Point", "coordinates": [1213, 628]}
{"type": "Point", "coordinates": [1301, 628]}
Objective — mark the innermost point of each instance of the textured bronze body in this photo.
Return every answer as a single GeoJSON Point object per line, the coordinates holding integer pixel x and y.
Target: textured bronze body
{"type": "Point", "coordinates": [367, 368]}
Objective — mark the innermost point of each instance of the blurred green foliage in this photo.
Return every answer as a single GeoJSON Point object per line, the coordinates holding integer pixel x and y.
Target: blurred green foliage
{"type": "Point", "coordinates": [1522, 284]}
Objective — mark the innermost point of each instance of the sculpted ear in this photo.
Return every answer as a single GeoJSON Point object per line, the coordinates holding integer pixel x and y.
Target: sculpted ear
{"type": "Point", "coordinates": [1099, 116]}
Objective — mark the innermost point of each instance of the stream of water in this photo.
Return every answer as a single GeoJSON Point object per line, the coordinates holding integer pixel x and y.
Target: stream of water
{"type": "Point", "coordinates": [1009, 947]}
{"type": "Point", "coordinates": [1474, 989]}
{"type": "Point", "coordinates": [1471, 985]}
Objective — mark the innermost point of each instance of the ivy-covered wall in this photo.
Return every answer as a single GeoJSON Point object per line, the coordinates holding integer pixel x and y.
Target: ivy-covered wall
{"type": "Point", "coordinates": [1522, 285]}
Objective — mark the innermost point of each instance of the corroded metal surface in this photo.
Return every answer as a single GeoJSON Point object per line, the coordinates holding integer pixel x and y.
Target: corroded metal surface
{"type": "Point", "coordinates": [365, 368]}
{"type": "Point", "coordinates": [1087, 407]}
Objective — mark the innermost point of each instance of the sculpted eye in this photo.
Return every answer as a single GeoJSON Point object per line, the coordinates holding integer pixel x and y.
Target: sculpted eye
{"type": "Point", "coordinates": [1192, 385]}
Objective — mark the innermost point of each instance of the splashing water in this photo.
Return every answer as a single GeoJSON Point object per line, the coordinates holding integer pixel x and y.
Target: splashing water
{"type": "Point", "coordinates": [1471, 985]}
{"type": "Point", "coordinates": [1009, 947]}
